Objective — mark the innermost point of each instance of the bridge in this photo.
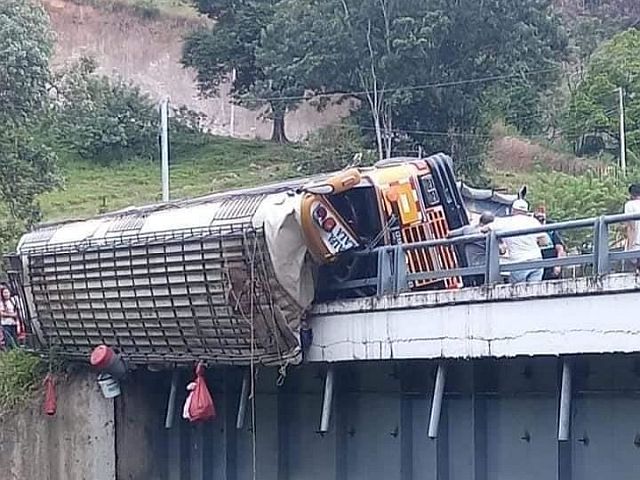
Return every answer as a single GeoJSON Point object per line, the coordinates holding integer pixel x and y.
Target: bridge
{"type": "Point", "coordinates": [498, 382]}
{"type": "Point", "coordinates": [527, 381]}
{"type": "Point", "coordinates": [559, 317]}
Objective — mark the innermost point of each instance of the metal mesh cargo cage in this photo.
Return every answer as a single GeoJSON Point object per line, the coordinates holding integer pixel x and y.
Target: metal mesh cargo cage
{"type": "Point", "coordinates": [178, 296]}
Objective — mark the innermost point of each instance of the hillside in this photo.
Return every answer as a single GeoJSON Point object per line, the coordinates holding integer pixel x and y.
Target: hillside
{"type": "Point", "coordinates": [145, 8]}
{"type": "Point", "coordinates": [140, 41]}
{"type": "Point", "coordinates": [219, 164]}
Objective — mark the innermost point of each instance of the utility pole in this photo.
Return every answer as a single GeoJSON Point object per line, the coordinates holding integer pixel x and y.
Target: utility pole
{"type": "Point", "coordinates": [232, 121]}
{"type": "Point", "coordinates": [623, 140]}
{"type": "Point", "coordinates": [164, 147]}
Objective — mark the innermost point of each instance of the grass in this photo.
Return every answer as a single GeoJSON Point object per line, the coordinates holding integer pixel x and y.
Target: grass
{"type": "Point", "coordinates": [21, 374]}
{"type": "Point", "coordinates": [218, 164]}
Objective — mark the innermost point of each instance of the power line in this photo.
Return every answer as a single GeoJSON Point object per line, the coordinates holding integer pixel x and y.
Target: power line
{"type": "Point", "coordinates": [425, 86]}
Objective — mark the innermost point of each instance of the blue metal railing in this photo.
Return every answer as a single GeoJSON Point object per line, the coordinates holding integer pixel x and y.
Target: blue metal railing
{"type": "Point", "coordinates": [393, 277]}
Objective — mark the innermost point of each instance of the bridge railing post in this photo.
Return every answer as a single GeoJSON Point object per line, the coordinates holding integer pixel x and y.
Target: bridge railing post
{"type": "Point", "coordinates": [492, 273]}
{"type": "Point", "coordinates": [400, 270]}
{"type": "Point", "coordinates": [385, 280]}
{"type": "Point", "coordinates": [601, 265]}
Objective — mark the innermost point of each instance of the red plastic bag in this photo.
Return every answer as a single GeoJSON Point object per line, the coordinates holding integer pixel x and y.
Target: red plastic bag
{"type": "Point", "coordinates": [50, 401]}
{"type": "Point", "coordinates": [22, 331]}
{"type": "Point", "coordinates": [201, 407]}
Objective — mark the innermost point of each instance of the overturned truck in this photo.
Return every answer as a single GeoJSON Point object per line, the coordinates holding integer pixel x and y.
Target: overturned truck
{"type": "Point", "coordinates": [228, 278]}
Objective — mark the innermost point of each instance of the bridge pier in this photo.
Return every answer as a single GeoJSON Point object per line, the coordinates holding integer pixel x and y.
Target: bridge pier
{"type": "Point", "coordinates": [499, 420]}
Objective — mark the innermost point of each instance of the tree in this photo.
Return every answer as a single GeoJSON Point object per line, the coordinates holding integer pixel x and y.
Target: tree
{"type": "Point", "coordinates": [567, 197]}
{"type": "Point", "coordinates": [351, 48]}
{"type": "Point", "coordinates": [593, 107]}
{"type": "Point", "coordinates": [593, 22]}
{"type": "Point", "coordinates": [421, 68]}
{"type": "Point", "coordinates": [27, 167]}
{"type": "Point", "coordinates": [26, 42]}
{"type": "Point", "coordinates": [231, 45]}
{"type": "Point", "coordinates": [102, 119]}
{"type": "Point", "coordinates": [623, 12]}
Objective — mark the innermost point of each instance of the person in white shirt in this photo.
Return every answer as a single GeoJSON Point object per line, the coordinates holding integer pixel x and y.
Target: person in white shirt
{"type": "Point", "coordinates": [522, 248]}
{"type": "Point", "coordinates": [633, 226]}
{"type": "Point", "coordinates": [8, 318]}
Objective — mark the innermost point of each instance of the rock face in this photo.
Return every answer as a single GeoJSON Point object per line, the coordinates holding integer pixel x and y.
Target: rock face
{"type": "Point", "coordinates": [146, 51]}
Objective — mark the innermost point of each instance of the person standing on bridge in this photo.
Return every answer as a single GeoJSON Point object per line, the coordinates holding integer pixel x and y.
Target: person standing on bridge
{"type": "Point", "coordinates": [522, 248]}
{"type": "Point", "coordinates": [553, 249]}
{"type": "Point", "coordinates": [475, 250]}
{"type": "Point", "coordinates": [633, 226]}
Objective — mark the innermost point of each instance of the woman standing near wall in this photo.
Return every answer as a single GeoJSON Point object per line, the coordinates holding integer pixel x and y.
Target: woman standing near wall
{"type": "Point", "coordinates": [8, 318]}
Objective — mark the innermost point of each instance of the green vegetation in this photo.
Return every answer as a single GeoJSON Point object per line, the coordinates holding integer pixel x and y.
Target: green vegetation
{"type": "Point", "coordinates": [146, 9]}
{"type": "Point", "coordinates": [21, 374]}
{"type": "Point", "coordinates": [234, 42]}
{"type": "Point", "coordinates": [594, 109]}
{"type": "Point", "coordinates": [392, 56]}
{"type": "Point", "coordinates": [216, 164]}
{"type": "Point", "coordinates": [106, 120]}
{"type": "Point", "coordinates": [569, 197]}
{"type": "Point", "coordinates": [424, 73]}
{"type": "Point", "coordinates": [27, 164]}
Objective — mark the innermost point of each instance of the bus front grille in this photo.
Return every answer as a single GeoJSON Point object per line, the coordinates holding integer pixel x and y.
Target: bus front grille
{"type": "Point", "coordinates": [432, 258]}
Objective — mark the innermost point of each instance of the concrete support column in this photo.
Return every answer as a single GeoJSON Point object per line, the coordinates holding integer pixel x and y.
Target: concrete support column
{"type": "Point", "coordinates": [406, 438]}
{"type": "Point", "coordinates": [341, 412]}
{"type": "Point", "coordinates": [174, 447]}
{"type": "Point", "coordinates": [229, 467]}
{"type": "Point", "coordinates": [283, 433]}
{"type": "Point", "coordinates": [436, 403]}
{"type": "Point", "coordinates": [565, 459]}
{"type": "Point", "coordinates": [442, 446]}
{"type": "Point", "coordinates": [197, 451]}
{"type": "Point", "coordinates": [478, 428]}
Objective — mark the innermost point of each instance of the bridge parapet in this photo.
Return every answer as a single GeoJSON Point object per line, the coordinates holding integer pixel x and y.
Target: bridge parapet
{"type": "Point", "coordinates": [562, 317]}
{"type": "Point", "coordinates": [392, 276]}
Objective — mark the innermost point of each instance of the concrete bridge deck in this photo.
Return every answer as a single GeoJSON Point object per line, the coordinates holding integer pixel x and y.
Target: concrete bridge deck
{"type": "Point", "coordinates": [563, 317]}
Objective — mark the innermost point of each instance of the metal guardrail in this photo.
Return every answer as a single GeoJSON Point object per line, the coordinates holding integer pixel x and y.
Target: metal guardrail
{"type": "Point", "coordinates": [393, 277]}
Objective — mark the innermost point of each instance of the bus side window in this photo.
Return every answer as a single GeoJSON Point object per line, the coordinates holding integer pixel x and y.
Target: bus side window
{"type": "Point", "coordinates": [429, 191]}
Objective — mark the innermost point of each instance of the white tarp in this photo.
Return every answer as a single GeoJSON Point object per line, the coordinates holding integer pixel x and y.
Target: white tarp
{"type": "Point", "coordinates": [76, 232]}
{"type": "Point", "coordinates": [198, 216]}
{"type": "Point", "coordinates": [279, 216]}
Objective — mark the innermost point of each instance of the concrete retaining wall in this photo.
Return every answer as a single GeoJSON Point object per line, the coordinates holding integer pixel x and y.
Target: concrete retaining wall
{"type": "Point", "coordinates": [498, 422]}
{"type": "Point", "coordinates": [76, 444]}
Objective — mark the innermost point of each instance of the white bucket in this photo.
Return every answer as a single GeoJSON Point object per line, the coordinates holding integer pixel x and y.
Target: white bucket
{"type": "Point", "coordinates": [109, 386]}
